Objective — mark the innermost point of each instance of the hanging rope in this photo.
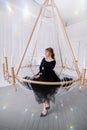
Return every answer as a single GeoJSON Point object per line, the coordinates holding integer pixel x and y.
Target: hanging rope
{"type": "Point", "coordinates": [24, 53]}
{"type": "Point", "coordinates": [69, 44]}
{"type": "Point", "coordinates": [58, 45]}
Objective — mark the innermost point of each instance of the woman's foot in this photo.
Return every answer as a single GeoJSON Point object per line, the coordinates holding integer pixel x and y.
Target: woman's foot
{"type": "Point", "coordinates": [44, 113]}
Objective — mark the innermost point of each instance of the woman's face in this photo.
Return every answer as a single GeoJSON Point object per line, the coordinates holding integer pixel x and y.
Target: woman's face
{"type": "Point", "coordinates": [47, 53]}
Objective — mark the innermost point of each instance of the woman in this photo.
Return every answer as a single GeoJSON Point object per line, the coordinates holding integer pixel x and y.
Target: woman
{"type": "Point", "coordinates": [45, 93]}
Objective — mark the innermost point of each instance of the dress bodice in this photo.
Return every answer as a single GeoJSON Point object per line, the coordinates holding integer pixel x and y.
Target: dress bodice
{"type": "Point", "coordinates": [47, 67]}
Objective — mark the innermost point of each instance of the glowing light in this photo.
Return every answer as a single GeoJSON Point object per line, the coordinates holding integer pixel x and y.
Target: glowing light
{"type": "Point", "coordinates": [71, 128]}
{"type": "Point", "coordinates": [8, 7]}
{"type": "Point", "coordinates": [4, 107]}
{"type": "Point", "coordinates": [71, 109]}
{"type": "Point", "coordinates": [25, 10]}
{"type": "Point", "coordinates": [26, 110]}
{"type": "Point", "coordinates": [76, 12]}
{"type": "Point", "coordinates": [56, 117]}
{"type": "Point", "coordinates": [80, 8]}
{"type": "Point", "coordinates": [62, 105]}
{"type": "Point", "coordinates": [32, 114]}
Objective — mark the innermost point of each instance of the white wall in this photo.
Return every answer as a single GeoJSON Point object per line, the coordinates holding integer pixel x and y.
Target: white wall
{"type": "Point", "coordinates": [14, 33]}
{"type": "Point", "coordinates": [15, 29]}
{"type": "Point", "coordinates": [78, 36]}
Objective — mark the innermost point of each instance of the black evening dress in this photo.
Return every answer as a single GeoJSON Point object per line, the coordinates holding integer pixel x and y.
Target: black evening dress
{"type": "Point", "coordinates": [48, 75]}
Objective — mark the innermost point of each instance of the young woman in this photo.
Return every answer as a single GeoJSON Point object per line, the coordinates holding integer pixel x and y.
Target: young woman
{"type": "Point", "coordinates": [45, 93]}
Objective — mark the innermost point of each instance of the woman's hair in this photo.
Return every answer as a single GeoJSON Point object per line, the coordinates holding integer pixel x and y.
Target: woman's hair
{"type": "Point", "coordinates": [51, 51]}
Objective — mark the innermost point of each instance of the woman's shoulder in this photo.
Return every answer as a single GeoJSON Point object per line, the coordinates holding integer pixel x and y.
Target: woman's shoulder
{"type": "Point", "coordinates": [43, 59]}
{"type": "Point", "coordinates": [53, 61]}
{"type": "Point", "coordinates": [50, 61]}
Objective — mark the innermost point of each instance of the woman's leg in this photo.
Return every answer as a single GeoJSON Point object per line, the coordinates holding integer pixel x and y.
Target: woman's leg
{"type": "Point", "coordinates": [44, 111]}
{"type": "Point", "coordinates": [45, 107]}
{"type": "Point", "coordinates": [47, 104]}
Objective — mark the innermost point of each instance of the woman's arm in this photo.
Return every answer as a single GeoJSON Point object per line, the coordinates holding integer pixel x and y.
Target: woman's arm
{"type": "Point", "coordinates": [41, 65]}
{"type": "Point", "coordinates": [40, 70]}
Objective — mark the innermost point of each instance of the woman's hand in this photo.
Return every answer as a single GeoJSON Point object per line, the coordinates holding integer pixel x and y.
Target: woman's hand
{"type": "Point", "coordinates": [37, 76]}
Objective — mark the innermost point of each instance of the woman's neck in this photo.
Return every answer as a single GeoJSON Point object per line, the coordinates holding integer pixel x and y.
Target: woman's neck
{"type": "Point", "coordinates": [49, 59]}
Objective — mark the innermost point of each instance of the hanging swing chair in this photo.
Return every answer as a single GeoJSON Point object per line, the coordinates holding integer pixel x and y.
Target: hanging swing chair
{"type": "Point", "coordinates": [48, 30]}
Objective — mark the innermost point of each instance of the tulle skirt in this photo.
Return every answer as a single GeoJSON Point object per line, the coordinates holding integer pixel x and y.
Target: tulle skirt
{"type": "Point", "coordinates": [44, 92]}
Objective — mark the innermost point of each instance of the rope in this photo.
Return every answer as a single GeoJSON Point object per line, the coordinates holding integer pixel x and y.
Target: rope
{"type": "Point", "coordinates": [57, 35]}
{"type": "Point", "coordinates": [58, 41]}
{"type": "Point", "coordinates": [34, 50]}
{"type": "Point", "coordinates": [37, 40]}
{"type": "Point", "coordinates": [29, 40]}
{"type": "Point", "coordinates": [68, 43]}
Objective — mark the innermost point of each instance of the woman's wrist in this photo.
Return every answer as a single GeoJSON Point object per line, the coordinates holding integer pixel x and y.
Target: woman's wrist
{"type": "Point", "coordinates": [40, 73]}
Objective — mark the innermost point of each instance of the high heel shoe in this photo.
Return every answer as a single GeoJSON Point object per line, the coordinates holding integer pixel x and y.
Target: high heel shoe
{"type": "Point", "coordinates": [48, 107]}
{"type": "Point", "coordinates": [44, 114]}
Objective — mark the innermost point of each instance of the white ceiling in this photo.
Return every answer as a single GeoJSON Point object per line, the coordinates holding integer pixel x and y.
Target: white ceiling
{"type": "Point", "coordinates": [72, 11]}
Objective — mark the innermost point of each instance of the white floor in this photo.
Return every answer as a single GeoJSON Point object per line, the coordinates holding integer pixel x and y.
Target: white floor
{"type": "Point", "coordinates": [3, 83]}
{"type": "Point", "coordinates": [20, 111]}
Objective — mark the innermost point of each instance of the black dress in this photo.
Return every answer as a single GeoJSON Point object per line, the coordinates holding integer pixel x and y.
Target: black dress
{"type": "Point", "coordinates": [48, 75]}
